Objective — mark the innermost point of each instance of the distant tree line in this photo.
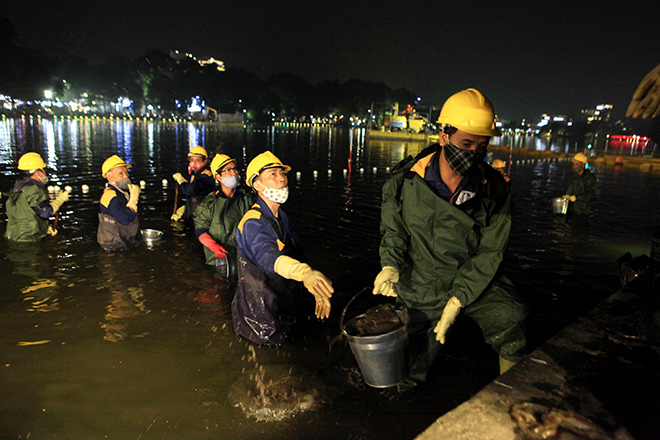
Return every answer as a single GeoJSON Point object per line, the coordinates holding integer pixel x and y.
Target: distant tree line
{"type": "Point", "coordinates": [162, 81]}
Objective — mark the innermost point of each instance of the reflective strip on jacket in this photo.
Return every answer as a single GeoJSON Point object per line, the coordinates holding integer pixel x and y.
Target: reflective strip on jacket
{"type": "Point", "coordinates": [443, 250]}
{"type": "Point", "coordinates": [219, 216]}
{"type": "Point", "coordinates": [24, 223]}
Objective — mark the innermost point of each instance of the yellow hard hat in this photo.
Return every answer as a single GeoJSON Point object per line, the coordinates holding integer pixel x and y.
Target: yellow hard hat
{"type": "Point", "coordinates": [198, 151]}
{"type": "Point", "coordinates": [470, 111]}
{"type": "Point", "coordinates": [31, 161]}
{"type": "Point", "coordinates": [219, 161]}
{"type": "Point", "coordinates": [581, 157]}
{"type": "Point", "coordinates": [262, 162]}
{"type": "Point", "coordinates": [113, 162]}
{"type": "Point", "coordinates": [498, 163]}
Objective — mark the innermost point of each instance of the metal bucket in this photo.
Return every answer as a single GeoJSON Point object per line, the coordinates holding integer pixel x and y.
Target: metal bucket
{"type": "Point", "coordinates": [560, 205]}
{"type": "Point", "coordinates": [383, 359]}
{"type": "Point", "coordinates": [151, 236]}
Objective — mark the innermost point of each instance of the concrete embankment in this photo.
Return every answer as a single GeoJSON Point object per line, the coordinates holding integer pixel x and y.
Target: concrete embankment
{"type": "Point", "coordinates": [599, 378]}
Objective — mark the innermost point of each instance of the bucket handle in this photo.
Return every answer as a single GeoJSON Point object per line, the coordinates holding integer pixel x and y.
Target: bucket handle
{"type": "Point", "coordinates": [343, 312]}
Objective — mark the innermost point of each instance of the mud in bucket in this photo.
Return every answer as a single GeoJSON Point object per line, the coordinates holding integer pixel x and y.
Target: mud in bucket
{"type": "Point", "coordinates": [382, 358]}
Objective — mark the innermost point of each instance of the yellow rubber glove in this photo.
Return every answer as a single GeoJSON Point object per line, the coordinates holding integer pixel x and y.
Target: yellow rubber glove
{"type": "Point", "coordinates": [448, 317]}
{"type": "Point", "coordinates": [179, 178]}
{"type": "Point", "coordinates": [314, 281]}
{"type": "Point", "coordinates": [51, 231]}
{"type": "Point", "coordinates": [134, 191]}
{"type": "Point", "coordinates": [179, 213]}
{"type": "Point", "coordinates": [62, 197]}
{"type": "Point", "coordinates": [569, 197]}
{"type": "Point", "coordinates": [385, 282]}
{"type": "Point", "coordinates": [646, 99]}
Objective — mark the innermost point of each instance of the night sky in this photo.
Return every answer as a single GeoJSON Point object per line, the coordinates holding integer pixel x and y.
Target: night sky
{"type": "Point", "coordinates": [529, 58]}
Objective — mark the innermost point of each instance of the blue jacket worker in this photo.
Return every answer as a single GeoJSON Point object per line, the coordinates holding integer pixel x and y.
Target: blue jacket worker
{"type": "Point", "coordinates": [200, 185]}
{"type": "Point", "coordinates": [119, 226]}
{"type": "Point", "coordinates": [268, 252]}
{"type": "Point", "coordinates": [28, 206]}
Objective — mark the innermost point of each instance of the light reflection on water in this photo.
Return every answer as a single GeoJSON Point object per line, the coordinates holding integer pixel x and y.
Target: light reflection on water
{"type": "Point", "coordinates": [141, 343]}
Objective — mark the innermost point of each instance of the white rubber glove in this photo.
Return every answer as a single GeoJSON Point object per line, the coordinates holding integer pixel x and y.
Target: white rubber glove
{"type": "Point", "coordinates": [134, 191]}
{"type": "Point", "coordinates": [314, 281]}
{"type": "Point", "coordinates": [448, 317]}
{"type": "Point", "coordinates": [385, 282]}
{"type": "Point", "coordinates": [179, 178]}
{"type": "Point", "coordinates": [179, 213]}
{"type": "Point", "coordinates": [62, 197]}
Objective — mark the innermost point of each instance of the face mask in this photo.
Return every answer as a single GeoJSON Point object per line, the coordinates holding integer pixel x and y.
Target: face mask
{"type": "Point", "coordinates": [44, 179]}
{"type": "Point", "coordinates": [276, 195]}
{"type": "Point", "coordinates": [195, 166]}
{"type": "Point", "coordinates": [230, 182]}
{"type": "Point", "coordinates": [123, 184]}
{"type": "Point", "coordinates": [462, 160]}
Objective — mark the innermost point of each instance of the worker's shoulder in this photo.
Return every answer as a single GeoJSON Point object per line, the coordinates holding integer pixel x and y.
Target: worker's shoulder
{"type": "Point", "coordinates": [207, 172]}
{"type": "Point", "coordinates": [254, 213]}
{"type": "Point", "coordinates": [107, 196]}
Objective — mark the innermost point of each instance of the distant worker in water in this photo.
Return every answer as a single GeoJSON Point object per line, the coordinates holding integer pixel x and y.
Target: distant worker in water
{"type": "Point", "coordinates": [28, 206]}
{"type": "Point", "coordinates": [200, 185]}
{"type": "Point", "coordinates": [269, 254]}
{"type": "Point", "coordinates": [217, 216]}
{"type": "Point", "coordinates": [581, 190]}
{"type": "Point", "coordinates": [119, 226]}
{"type": "Point", "coordinates": [445, 220]}
{"type": "Point", "coordinates": [499, 165]}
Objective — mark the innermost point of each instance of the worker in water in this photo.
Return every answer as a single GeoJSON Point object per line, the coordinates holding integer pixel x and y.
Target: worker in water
{"type": "Point", "coordinates": [499, 165]}
{"type": "Point", "coordinates": [218, 214]}
{"type": "Point", "coordinates": [28, 206]}
{"type": "Point", "coordinates": [200, 185]}
{"type": "Point", "coordinates": [445, 220]}
{"type": "Point", "coordinates": [119, 226]}
{"type": "Point", "coordinates": [581, 190]}
{"type": "Point", "coordinates": [269, 255]}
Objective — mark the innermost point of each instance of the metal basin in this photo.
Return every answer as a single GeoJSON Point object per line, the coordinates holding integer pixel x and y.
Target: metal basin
{"type": "Point", "coordinates": [151, 235]}
{"type": "Point", "coordinates": [560, 205]}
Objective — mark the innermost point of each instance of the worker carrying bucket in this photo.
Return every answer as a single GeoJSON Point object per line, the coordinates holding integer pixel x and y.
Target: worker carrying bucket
{"type": "Point", "coordinates": [445, 223]}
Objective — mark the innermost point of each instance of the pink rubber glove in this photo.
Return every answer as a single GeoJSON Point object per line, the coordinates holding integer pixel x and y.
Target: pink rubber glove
{"type": "Point", "coordinates": [210, 243]}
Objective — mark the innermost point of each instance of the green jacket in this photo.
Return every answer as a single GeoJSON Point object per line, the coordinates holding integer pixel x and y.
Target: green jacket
{"type": "Point", "coordinates": [583, 187]}
{"type": "Point", "coordinates": [443, 250]}
{"type": "Point", "coordinates": [220, 216]}
{"type": "Point", "coordinates": [24, 224]}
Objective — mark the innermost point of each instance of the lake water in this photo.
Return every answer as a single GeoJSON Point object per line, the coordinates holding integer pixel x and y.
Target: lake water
{"type": "Point", "coordinates": [139, 345]}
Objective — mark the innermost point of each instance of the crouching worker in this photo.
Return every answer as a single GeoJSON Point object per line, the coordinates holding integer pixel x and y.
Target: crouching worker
{"type": "Point", "coordinates": [28, 206]}
{"type": "Point", "coordinates": [200, 185]}
{"type": "Point", "coordinates": [268, 258]}
{"type": "Point", "coordinates": [445, 223]}
{"type": "Point", "coordinates": [218, 215]}
{"type": "Point", "coordinates": [119, 227]}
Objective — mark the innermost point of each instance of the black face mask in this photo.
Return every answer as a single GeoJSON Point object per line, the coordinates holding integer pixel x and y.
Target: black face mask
{"type": "Point", "coordinates": [462, 160]}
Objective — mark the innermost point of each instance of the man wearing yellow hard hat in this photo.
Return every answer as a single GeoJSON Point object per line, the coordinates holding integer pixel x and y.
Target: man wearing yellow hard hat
{"type": "Point", "coordinates": [269, 254]}
{"type": "Point", "coordinates": [200, 185]}
{"type": "Point", "coordinates": [581, 189]}
{"type": "Point", "coordinates": [500, 166]}
{"type": "Point", "coordinates": [28, 206]}
{"type": "Point", "coordinates": [445, 219]}
{"type": "Point", "coordinates": [218, 214]}
{"type": "Point", "coordinates": [119, 226]}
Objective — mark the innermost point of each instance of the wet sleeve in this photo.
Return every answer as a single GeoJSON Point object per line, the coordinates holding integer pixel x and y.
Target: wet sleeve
{"type": "Point", "coordinates": [478, 271]}
{"type": "Point", "coordinates": [262, 242]}
{"type": "Point", "coordinates": [395, 241]}
{"type": "Point", "coordinates": [204, 215]}
{"type": "Point", "coordinates": [119, 211]}
{"type": "Point", "coordinates": [43, 209]}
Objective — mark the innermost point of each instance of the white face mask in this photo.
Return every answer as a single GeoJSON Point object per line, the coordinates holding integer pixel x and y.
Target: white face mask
{"type": "Point", "coordinates": [44, 179]}
{"type": "Point", "coordinates": [230, 182]}
{"type": "Point", "coordinates": [276, 195]}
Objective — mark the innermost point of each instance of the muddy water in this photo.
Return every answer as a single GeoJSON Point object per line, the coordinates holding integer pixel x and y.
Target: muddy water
{"type": "Point", "coordinates": [140, 344]}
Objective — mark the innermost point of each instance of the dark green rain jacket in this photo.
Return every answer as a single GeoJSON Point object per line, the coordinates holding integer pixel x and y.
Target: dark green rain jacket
{"type": "Point", "coordinates": [24, 224]}
{"type": "Point", "coordinates": [583, 187]}
{"type": "Point", "coordinates": [220, 216]}
{"type": "Point", "coordinates": [443, 250]}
